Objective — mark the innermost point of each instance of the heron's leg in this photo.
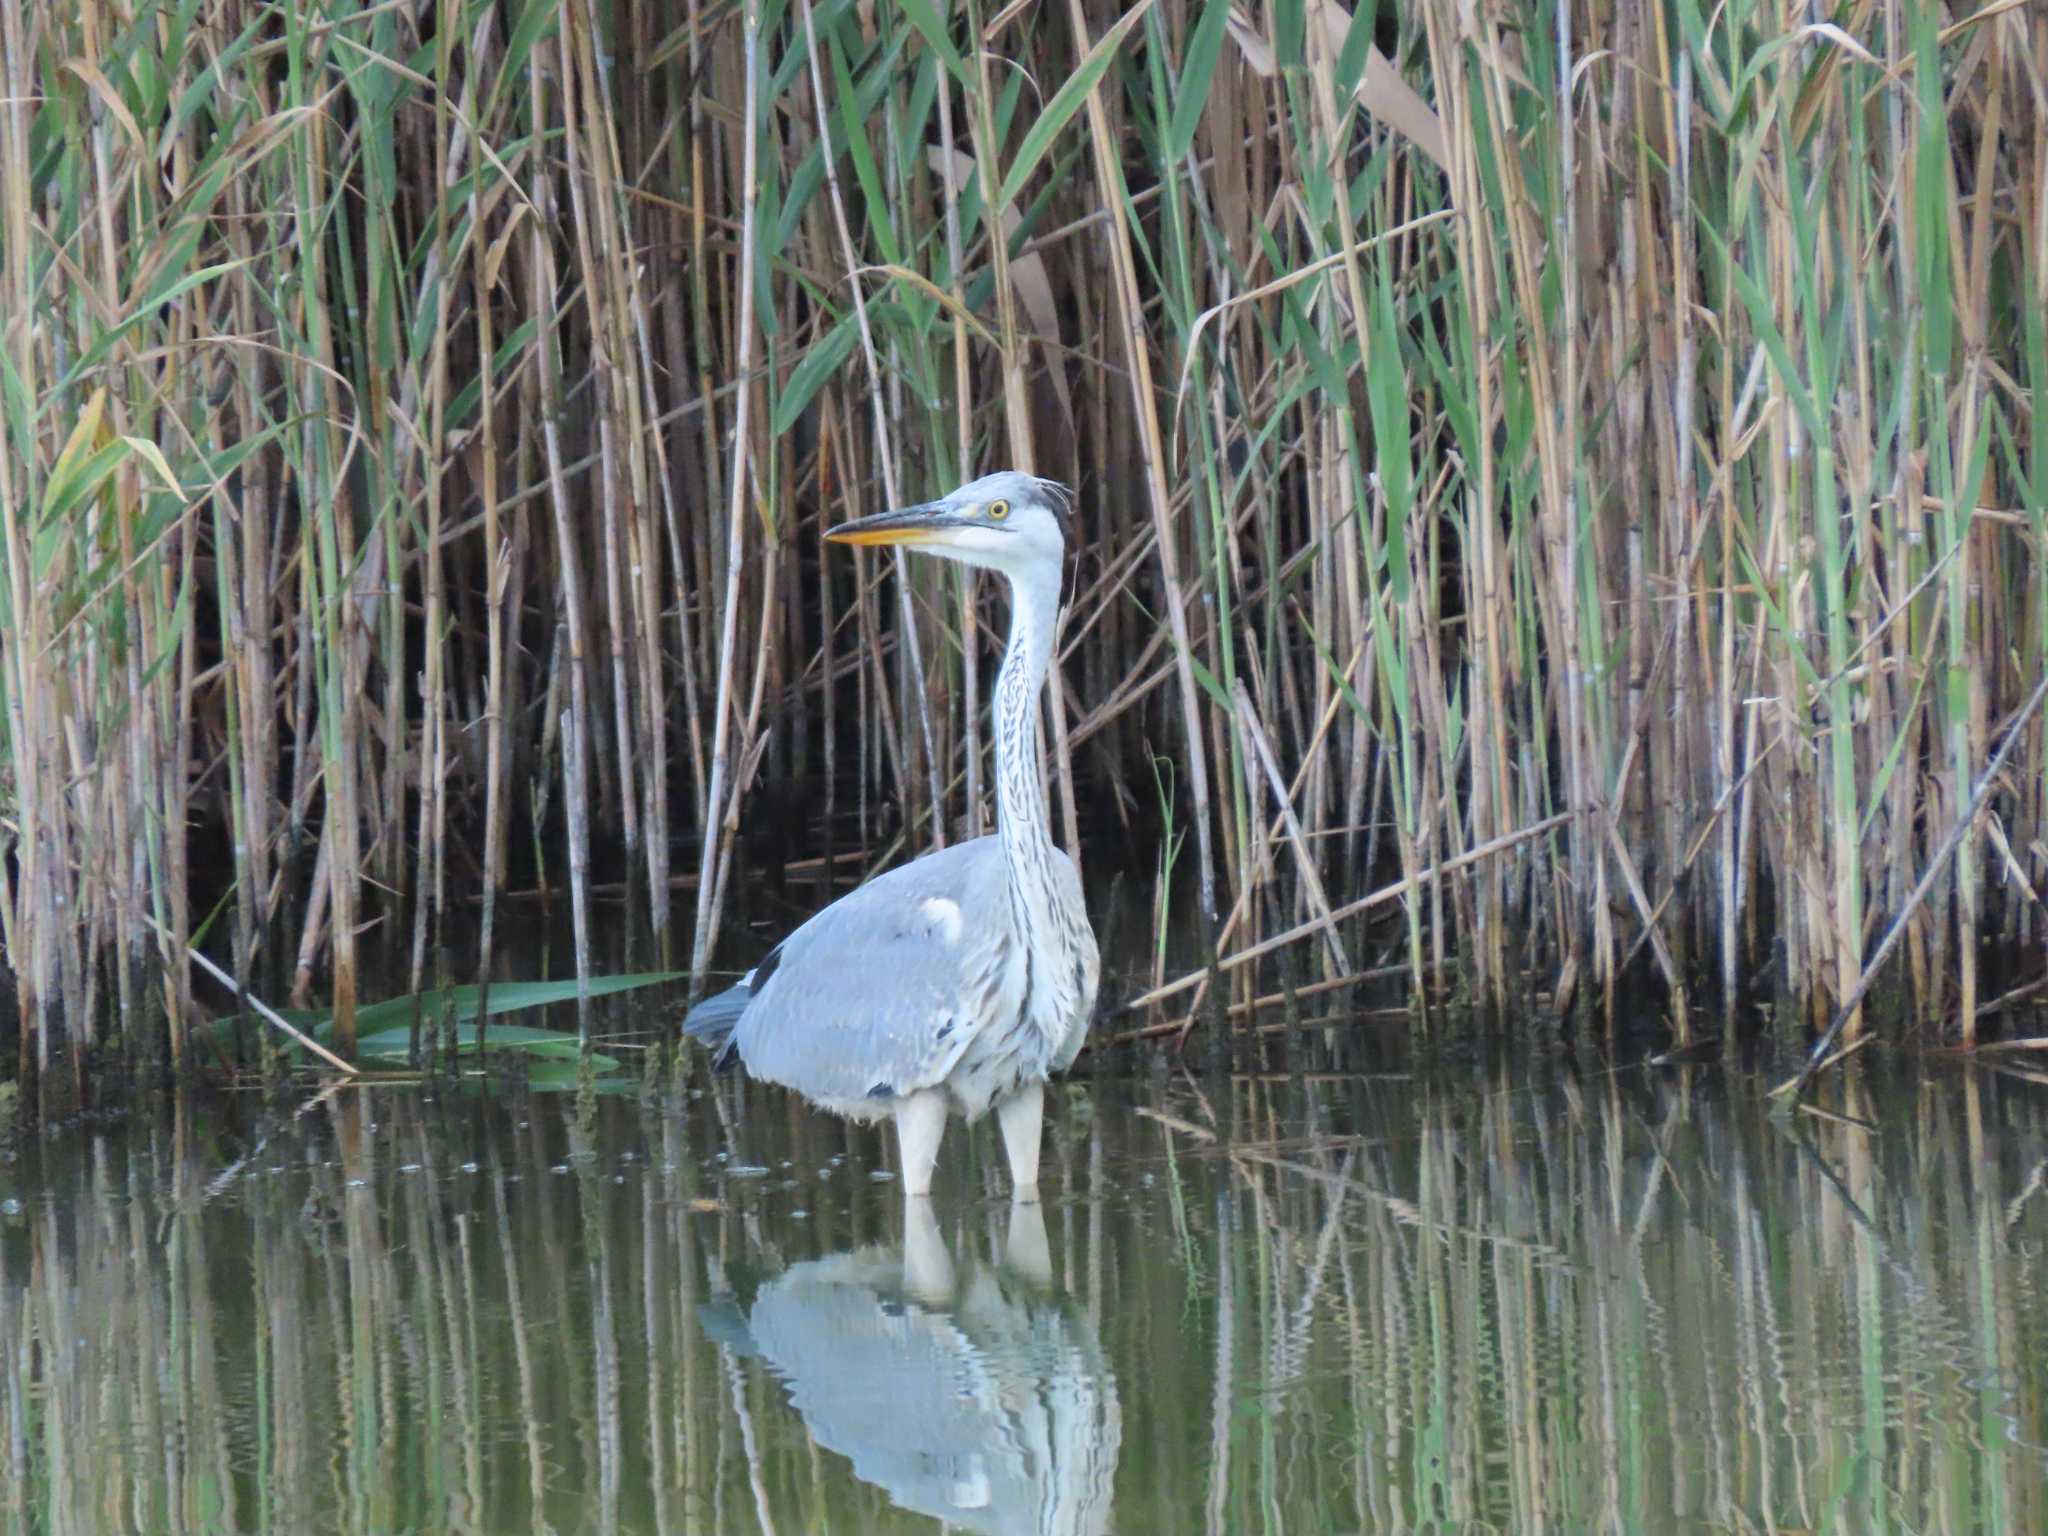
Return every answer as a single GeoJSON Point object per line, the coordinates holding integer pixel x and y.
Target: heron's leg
{"type": "Point", "coordinates": [920, 1122]}
{"type": "Point", "coordinates": [1022, 1117]}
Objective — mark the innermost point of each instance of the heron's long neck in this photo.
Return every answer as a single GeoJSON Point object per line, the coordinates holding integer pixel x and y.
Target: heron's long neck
{"type": "Point", "coordinates": [1021, 819]}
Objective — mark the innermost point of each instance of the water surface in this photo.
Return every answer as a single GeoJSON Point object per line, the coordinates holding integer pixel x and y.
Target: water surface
{"type": "Point", "coordinates": [1629, 1301]}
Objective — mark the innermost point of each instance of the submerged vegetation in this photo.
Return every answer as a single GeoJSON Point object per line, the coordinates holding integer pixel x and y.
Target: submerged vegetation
{"type": "Point", "coordinates": [1560, 483]}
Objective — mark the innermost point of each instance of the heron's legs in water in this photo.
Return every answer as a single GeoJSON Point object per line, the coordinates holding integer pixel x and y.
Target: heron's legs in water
{"type": "Point", "coordinates": [920, 1122]}
{"type": "Point", "coordinates": [1022, 1117]}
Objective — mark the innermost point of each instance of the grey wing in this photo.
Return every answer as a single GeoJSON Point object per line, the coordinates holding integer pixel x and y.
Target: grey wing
{"type": "Point", "coordinates": [878, 994]}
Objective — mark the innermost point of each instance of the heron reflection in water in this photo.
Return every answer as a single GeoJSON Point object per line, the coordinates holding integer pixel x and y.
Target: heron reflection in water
{"type": "Point", "coordinates": [958, 982]}
{"type": "Point", "coordinates": [979, 1396]}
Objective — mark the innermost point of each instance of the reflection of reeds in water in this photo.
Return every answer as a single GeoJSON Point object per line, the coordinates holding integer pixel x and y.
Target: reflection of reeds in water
{"type": "Point", "coordinates": [1637, 1312]}
{"type": "Point", "coordinates": [1619, 1305]}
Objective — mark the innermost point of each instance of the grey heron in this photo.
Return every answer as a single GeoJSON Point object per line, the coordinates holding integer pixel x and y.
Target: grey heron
{"type": "Point", "coordinates": [962, 980]}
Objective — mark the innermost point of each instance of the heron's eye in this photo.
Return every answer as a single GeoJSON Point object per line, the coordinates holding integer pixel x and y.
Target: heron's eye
{"type": "Point", "coordinates": [998, 510]}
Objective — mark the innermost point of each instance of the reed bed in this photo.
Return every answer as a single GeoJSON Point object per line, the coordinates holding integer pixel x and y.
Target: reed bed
{"type": "Point", "coordinates": [1561, 496]}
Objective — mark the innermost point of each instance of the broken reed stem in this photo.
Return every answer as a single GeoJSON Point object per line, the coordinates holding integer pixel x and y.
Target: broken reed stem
{"type": "Point", "coordinates": [1818, 1056]}
{"type": "Point", "coordinates": [1261, 752]}
{"type": "Point", "coordinates": [1379, 898]}
{"type": "Point", "coordinates": [269, 1014]}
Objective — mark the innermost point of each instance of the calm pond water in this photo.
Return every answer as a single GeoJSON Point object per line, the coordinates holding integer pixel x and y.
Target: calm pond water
{"type": "Point", "coordinates": [1628, 1301]}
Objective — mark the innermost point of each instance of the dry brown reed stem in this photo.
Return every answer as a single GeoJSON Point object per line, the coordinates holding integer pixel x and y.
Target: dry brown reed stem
{"type": "Point", "coordinates": [1012, 357]}
{"type": "Point", "coordinates": [1305, 864]}
{"type": "Point", "coordinates": [1152, 453]}
{"type": "Point", "coordinates": [1957, 836]}
{"type": "Point", "coordinates": [1311, 758]}
{"type": "Point", "coordinates": [963, 454]}
{"type": "Point", "coordinates": [721, 734]}
{"type": "Point", "coordinates": [269, 1014]}
{"type": "Point", "coordinates": [1647, 396]}
{"type": "Point", "coordinates": [432, 768]}
{"type": "Point", "coordinates": [885, 455]}
{"type": "Point", "coordinates": [487, 259]}
{"type": "Point", "coordinates": [1399, 890]}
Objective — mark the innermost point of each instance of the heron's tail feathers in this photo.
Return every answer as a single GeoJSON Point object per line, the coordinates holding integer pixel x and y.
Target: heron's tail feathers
{"type": "Point", "coordinates": [712, 1021]}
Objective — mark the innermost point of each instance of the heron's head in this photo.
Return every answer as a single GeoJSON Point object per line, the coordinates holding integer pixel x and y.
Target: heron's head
{"type": "Point", "coordinates": [1009, 522]}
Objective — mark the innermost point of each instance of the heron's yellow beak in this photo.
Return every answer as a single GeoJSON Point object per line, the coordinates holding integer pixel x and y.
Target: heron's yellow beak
{"type": "Point", "coordinates": [851, 535]}
{"type": "Point", "coordinates": [928, 524]}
